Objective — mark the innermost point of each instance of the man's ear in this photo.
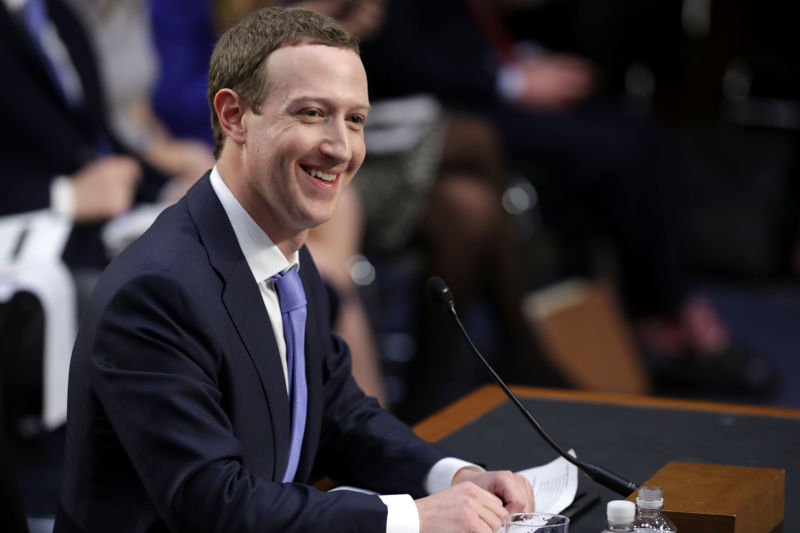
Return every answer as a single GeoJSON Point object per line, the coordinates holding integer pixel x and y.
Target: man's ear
{"type": "Point", "coordinates": [230, 111]}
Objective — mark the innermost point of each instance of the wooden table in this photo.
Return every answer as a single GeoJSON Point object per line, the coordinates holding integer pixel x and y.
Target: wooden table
{"type": "Point", "coordinates": [632, 435]}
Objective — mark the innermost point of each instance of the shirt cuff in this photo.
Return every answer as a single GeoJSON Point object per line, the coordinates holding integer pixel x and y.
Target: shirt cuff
{"type": "Point", "coordinates": [62, 197]}
{"type": "Point", "coordinates": [402, 515]}
{"type": "Point", "coordinates": [441, 475]}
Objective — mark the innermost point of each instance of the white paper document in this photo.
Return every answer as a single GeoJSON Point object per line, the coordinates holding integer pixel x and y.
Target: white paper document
{"type": "Point", "coordinates": [554, 484]}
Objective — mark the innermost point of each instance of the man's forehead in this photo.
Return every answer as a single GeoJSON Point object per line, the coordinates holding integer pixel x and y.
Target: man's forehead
{"type": "Point", "coordinates": [316, 68]}
{"type": "Point", "coordinates": [312, 49]}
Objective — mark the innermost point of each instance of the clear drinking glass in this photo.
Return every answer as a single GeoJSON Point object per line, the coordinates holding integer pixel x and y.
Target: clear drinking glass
{"type": "Point", "coordinates": [535, 523]}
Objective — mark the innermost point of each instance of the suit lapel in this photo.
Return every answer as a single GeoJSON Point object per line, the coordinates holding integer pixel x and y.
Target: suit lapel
{"type": "Point", "coordinates": [242, 299]}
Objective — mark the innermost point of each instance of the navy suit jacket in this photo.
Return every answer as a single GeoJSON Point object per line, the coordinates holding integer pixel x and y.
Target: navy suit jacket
{"type": "Point", "coordinates": [178, 414]}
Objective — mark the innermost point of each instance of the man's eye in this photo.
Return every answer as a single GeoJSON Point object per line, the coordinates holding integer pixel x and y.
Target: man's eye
{"type": "Point", "coordinates": [311, 113]}
{"type": "Point", "coordinates": [356, 119]}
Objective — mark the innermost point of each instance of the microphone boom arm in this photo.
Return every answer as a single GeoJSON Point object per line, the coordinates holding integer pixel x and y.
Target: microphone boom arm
{"type": "Point", "coordinates": [605, 477]}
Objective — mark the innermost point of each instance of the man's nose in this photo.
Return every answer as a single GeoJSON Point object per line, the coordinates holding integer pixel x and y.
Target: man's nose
{"type": "Point", "coordinates": [336, 143]}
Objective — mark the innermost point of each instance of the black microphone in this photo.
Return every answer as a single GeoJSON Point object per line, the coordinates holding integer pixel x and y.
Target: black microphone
{"type": "Point", "coordinates": [442, 295]}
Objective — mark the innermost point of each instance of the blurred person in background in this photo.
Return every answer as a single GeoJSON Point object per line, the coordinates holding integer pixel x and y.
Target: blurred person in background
{"type": "Point", "coordinates": [60, 154]}
{"type": "Point", "coordinates": [64, 151]}
{"type": "Point", "coordinates": [129, 68]}
{"type": "Point", "coordinates": [59, 151]}
{"type": "Point", "coordinates": [614, 172]}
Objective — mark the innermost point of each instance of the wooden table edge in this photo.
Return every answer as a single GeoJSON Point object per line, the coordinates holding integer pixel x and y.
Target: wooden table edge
{"type": "Point", "coordinates": [485, 398]}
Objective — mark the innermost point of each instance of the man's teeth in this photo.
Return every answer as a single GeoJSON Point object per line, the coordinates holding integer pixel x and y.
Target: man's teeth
{"type": "Point", "coordinates": [322, 175]}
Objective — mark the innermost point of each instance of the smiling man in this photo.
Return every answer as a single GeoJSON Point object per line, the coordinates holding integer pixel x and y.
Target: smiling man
{"type": "Point", "coordinates": [206, 387]}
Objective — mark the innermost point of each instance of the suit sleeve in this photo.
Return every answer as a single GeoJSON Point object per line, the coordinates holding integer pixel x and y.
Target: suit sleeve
{"type": "Point", "coordinates": [155, 367]}
{"type": "Point", "coordinates": [366, 446]}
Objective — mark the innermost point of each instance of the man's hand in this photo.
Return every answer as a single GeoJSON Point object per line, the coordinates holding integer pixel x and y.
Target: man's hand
{"type": "Point", "coordinates": [105, 188]}
{"type": "Point", "coordinates": [515, 490]}
{"type": "Point", "coordinates": [462, 508]}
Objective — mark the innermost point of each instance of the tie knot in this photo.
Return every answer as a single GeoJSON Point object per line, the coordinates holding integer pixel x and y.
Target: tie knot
{"type": "Point", "coordinates": [290, 291]}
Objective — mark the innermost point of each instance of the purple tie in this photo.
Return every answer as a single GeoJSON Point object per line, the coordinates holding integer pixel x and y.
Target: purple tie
{"type": "Point", "coordinates": [292, 299]}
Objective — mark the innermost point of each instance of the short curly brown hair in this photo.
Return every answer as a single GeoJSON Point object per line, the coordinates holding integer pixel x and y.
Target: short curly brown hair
{"type": "Point", "coordinates": [238, 58]}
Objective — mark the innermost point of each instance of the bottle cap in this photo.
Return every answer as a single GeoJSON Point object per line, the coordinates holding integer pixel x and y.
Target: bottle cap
{"type": "Point", "coordinates": [650, 498]}
{"type": "Point", "coordinates": [620, 511]}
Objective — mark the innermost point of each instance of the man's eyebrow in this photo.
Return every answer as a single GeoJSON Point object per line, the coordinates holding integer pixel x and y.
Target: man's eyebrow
{"type": "Point", "coordinates": [327, 101]}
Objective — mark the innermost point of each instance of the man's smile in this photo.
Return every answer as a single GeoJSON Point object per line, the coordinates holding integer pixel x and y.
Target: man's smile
{"type": "Point", "coordinates": [321, 174]}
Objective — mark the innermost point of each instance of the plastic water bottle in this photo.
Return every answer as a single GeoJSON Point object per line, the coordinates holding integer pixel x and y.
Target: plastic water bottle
{"type": "Point", "coordinates": [648, 512]}
{"type": "Point", "coordinates": [620, 515]}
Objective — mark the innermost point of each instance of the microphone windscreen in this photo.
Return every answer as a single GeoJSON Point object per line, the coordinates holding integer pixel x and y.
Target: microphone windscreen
{"type": "Point", "coordinates": [439, 291]}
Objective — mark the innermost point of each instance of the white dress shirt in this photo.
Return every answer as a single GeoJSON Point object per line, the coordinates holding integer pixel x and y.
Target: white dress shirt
{"type": "Point", "coordinates": [265, 260]}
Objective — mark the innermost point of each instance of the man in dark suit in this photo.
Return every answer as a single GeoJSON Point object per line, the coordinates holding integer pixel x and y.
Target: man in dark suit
{"type": "Point", "coordinates": [601, 170]}
{"type": "Point", "coordinates": [179, 417]}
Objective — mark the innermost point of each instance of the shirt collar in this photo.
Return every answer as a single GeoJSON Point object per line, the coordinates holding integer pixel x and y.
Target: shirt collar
{"type": "Point", "coordinates": [263, 257]}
